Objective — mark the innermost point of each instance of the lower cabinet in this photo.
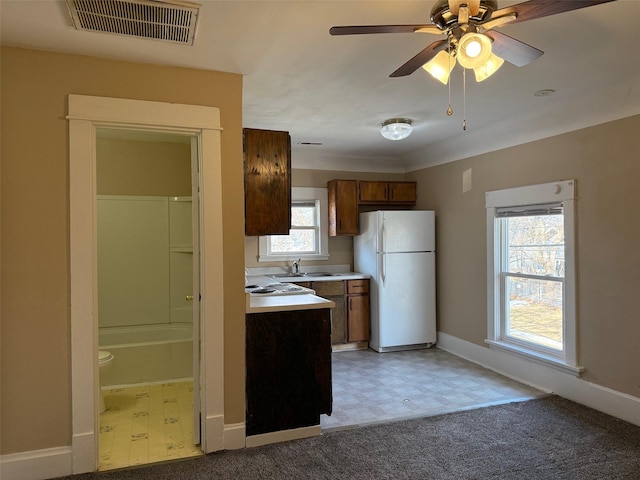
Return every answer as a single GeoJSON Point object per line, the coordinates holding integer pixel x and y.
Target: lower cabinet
{"type": "Point", "coordinates": [335, 292]}
{"type": "Point", "coordinates": [350, 319]}
{"type": "Point", "coordinates": [288, 370]}
{"type": "Point", "coordinates": [358, 314]}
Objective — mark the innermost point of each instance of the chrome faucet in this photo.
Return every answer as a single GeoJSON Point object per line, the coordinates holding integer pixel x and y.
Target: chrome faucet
{"type": "Point", "coordinates": [295, 268]}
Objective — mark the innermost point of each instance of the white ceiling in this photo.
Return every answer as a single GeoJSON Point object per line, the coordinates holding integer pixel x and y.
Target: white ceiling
{"type": "Point", "coordinates": [336, 90]}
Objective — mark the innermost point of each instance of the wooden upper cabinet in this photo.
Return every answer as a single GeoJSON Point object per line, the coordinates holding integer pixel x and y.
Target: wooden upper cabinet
{"type": "Point", "coordinates": [343, 207]}
{"type": "Point", "coordinates": [402, 192]}
{"type": "Point", "coordinates": [267, 182]}
{"type": "Point", "coordinates": [372, 192]}
{"type": "Point", "coordinates": [381, 193]}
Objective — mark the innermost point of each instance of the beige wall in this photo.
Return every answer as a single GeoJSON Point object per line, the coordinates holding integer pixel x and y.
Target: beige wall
{"type": "Point", "coordinates": [340, 248]}
{"type": "Point", "coordinates": [605, 162]}
{"type": "Point", "coordinates": [35, 343]}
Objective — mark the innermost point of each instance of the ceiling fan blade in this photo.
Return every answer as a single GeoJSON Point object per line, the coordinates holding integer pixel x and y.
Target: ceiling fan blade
{"type": "Point", "coordinates": [512, 50]}
{"type": "Point", "coordinates": [543, 8]}
{"type": "Point", "coordinates": [366, 29]}
{"type": "Point", "coordinates": [420, 59]}
{"type": "Point", "coordinates": [498, 22]}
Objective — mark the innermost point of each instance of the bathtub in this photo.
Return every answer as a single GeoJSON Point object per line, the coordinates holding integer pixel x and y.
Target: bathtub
{"type": "Point", "coordinates": [147, 354]}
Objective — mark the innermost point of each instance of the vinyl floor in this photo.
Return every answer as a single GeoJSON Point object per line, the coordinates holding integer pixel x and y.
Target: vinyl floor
{"type": "Point", "coordinates": [371, 387]}
{"type": "Point", "coordinates": [147, 424]}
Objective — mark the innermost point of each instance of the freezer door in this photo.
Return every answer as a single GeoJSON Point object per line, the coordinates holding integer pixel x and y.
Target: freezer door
{"type": "Point", "coordinates": [406, 299]}
{"type": "Point", "coordinates": [407, 231]}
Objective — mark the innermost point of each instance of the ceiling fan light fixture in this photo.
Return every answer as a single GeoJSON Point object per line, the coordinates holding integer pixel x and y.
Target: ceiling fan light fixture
{"type": "Point", "coordinates": [440, 66]}
{"type": "Point", "coordinates": [489, 67]}
{"type": "Point", "coordinates": [396, 128]}
{"type": "Point", "coordinates": [474, 49]}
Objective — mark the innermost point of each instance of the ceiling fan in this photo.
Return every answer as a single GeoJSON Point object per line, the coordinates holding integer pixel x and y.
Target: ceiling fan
{"type": "Point", "coordinates": [470, 36]}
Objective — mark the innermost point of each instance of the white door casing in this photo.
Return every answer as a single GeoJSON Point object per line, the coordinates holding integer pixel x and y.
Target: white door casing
{"type": "Point", "coordinates": [85, 114]}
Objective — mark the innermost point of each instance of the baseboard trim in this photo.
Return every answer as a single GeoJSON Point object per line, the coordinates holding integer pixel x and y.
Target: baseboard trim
{"type": "Point", "coordinates": [234, 436]}
{"type": "Point", "coordinates": [283, 436]}
{"type": "Point", "coordinates": [36, 464]}
{"type": "Point", "coordinates": [214, 440]}
{"type": "Point", "coordinates": [612, 402]}
{"type": "Point", "coordinates": [84, 450]}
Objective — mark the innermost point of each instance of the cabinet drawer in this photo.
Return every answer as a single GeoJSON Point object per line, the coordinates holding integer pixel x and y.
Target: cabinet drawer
{"type": "Point", "coordinates": [357, 286]}
{"type": "Point", "coordinates": [328, 288]}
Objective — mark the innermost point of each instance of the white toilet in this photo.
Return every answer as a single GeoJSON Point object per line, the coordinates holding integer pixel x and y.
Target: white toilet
{"type": "Point", "coordinates": [104, 359]}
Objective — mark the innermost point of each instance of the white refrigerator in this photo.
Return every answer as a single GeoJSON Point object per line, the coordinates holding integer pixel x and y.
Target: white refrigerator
{"type": "Point", "coordinates": [397, 248]}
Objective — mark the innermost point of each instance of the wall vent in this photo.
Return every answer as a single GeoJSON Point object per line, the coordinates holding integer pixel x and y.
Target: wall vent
{"type": "Point", "coordinates": [170, 21]}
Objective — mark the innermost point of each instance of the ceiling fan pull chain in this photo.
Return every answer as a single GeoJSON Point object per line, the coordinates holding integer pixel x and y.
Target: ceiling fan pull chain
{"type": "Point", "coordinates": [464, 99]}
{"type": "Point", "coordinates": [449, 110]}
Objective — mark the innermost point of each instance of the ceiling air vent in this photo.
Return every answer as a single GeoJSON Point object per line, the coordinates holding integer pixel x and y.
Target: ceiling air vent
{"type": "Point", "coordinates": [170, 21]}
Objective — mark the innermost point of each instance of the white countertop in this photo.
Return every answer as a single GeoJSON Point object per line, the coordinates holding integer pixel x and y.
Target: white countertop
{"type": "Point", "coordinates": [282, 303]}
{"type": "Point", "coordinates": [265, 279]}
{"type": "Point", "coordinates": [324, 278]}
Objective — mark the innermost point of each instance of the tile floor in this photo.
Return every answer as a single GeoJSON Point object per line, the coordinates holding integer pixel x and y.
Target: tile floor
{"type": "Point", "coordinates": [371, 387]}
{"type": "Point", "coordinates": [147, 424]}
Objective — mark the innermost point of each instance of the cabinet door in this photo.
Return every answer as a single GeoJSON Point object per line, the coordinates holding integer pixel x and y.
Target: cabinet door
{"type": "Point", "coordinates": [338, 320]}
{"type": "Point", "coordinates": [288, 358]}
{"type": "Point", "coordinates": [267, 182]}
{"type": "Point", "coordinates": [402, 192]}
{"type": "Point", "coordinates": [372, 192]}
{"type": "Point", "coordinates": [343, 207]}
{"type": "Point", "coordinates": [358, 314]}
{"type": "Point", "coordinates": [358, 318]}
{"type": "Point", "coordinates": [334, 291]}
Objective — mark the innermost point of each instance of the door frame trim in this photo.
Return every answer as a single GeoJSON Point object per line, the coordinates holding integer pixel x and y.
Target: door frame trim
{"type": "Point", "coordinates": [85, 114]}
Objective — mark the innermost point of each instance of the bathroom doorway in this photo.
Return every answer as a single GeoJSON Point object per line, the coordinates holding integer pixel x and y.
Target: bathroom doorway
{"type": "Point", "coordinates": [86, 114]}
{"type": "Point", "coordinates": [147, 280]}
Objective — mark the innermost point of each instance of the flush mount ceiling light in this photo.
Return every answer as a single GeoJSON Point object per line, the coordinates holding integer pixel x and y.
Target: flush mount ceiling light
{"type": "Point", "coordinates": [396, 128]}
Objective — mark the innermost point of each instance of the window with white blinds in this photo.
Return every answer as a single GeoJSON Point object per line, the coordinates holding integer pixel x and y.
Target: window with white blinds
{"type": "Point", "coordinates": [531, 273]}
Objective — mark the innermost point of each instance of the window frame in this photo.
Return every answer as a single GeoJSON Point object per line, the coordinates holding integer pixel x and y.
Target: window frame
{"type": "Point", "coordinates": [318, 196]}
{"type": "Point", "coordinates": [556, 192]}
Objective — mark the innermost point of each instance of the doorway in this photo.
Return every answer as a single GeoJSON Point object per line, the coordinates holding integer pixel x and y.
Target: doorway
{"type": "Point", "coordinates": [202, 125]}
{"type": "Point", "coordinates": [147, 279]}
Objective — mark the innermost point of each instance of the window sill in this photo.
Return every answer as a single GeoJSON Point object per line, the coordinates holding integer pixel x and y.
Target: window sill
{"type": "Point", "coordinates": [535, 357]}
{"type": "Point", "coordinates": [291, 257]}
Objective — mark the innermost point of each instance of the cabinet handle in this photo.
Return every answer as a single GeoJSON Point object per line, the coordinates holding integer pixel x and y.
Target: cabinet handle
{"type": "Point", "coordinates": [350, 304]}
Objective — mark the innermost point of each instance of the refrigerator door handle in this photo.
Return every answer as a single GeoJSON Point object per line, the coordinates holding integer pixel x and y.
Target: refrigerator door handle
{"type": "Point", "coordinates": [383, 267]}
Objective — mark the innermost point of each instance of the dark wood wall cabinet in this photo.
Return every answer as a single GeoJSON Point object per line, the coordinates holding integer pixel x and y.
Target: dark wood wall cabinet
{"type": "Point", "coordinates": [381, 193]}
{"type": "Point", "coordinates": [288, 370]}
{"type": "Point", "coordinates": [345, 197]}
{"type": "Point", "coordinates": [343, 207]}
{"type": "Point", "coordinates": [267, 182]}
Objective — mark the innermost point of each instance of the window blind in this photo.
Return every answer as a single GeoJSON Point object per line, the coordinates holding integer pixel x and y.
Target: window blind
{"type": "Point", "coordinates": [529, 210]}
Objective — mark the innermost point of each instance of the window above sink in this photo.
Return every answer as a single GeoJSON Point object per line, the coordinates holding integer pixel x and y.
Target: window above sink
{"type": "Point", "coordinates": [308, 238]}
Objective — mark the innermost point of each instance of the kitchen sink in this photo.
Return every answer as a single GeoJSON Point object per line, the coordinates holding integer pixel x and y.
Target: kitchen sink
{"type": "Point", "coordinates": [303, 274]}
